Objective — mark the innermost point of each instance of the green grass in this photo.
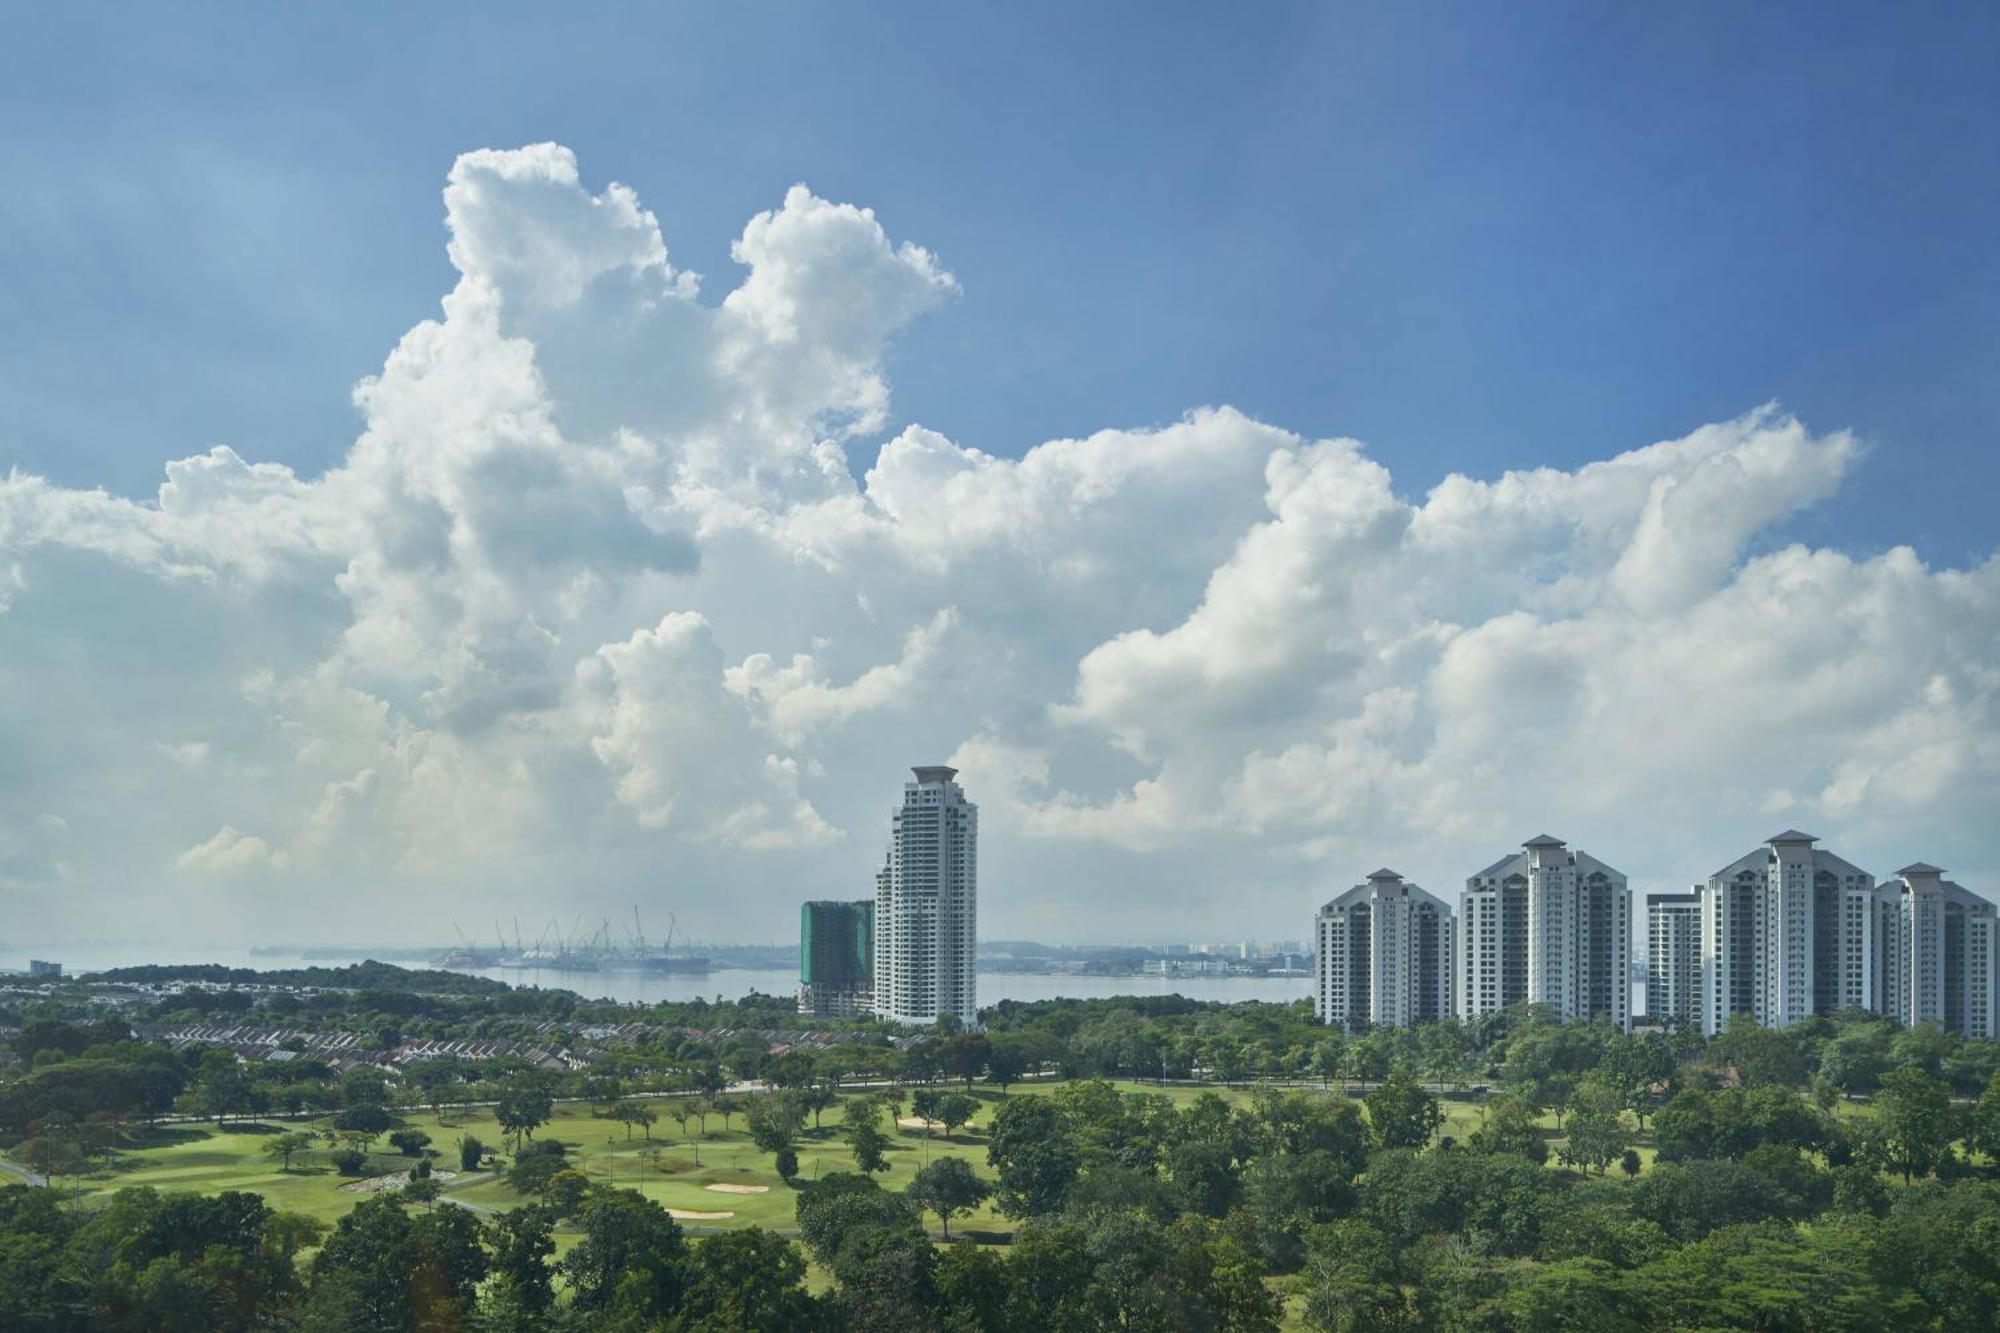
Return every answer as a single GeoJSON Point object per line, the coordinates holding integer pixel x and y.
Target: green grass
{"type": "Point", "coordinates": [204, 1159]}
{"type": "Point", "coordinates": [200, 1158]}
{"type": "Point", "coordinates": [208, 1161]}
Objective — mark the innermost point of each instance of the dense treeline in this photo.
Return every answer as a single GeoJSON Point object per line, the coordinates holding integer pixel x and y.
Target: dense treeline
{"type": "Point", "coordinates": [369, 975]}
{"type": "Point", "coordinates": [451, 1004]}
{"type": "Point", "coordinates": [1136, 1213]}
{"type": "Point", "coordinates": [1509, 1174]}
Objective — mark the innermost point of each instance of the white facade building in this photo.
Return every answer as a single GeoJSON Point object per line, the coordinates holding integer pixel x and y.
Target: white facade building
{"type": "Point", "coordinates": [1551, 926]}
{"type": "Point", "coordinates": [1673, 956]}
{"type": "Point", "coordinates": [1383, 955]}
{"type": "Point", "coordinates": [1945, 941]}
{"type": "Point", "coordinates": [1790, 930]}
{"type": "Point", "coordinates": [926, 899]}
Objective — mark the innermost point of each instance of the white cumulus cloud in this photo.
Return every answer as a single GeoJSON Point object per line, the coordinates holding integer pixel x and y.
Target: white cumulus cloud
{"type": "Point", "coordinates": [594, 609]}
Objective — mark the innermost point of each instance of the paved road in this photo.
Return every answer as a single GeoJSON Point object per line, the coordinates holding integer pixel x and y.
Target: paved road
{"type": "Point", "coordinates": [30, 1177]}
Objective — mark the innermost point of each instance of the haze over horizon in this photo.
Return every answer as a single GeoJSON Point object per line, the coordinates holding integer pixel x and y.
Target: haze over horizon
{"type": "Point", "coordinates": [1665, 522]}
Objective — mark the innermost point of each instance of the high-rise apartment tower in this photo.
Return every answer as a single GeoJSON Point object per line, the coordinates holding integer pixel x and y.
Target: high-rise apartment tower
{"type": "Point", "coordinates": [1384, 955]}
{"type": "Point", "coordinates": [1673, 956]}
{"type": "Point", "coordinates": [926, 898]}
{"type": "Point", "coordinates": [1946, 947]}
{"type": "Point", "coordinates": [1791, 930]}
{"type": "Point", "coordinates": [837, 958]}
{"type": "Point", "coordinates": [1549, 925]}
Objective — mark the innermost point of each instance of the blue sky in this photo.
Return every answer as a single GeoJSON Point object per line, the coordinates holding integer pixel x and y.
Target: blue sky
{"type": "Point", "coordinates": [597, 590]}
{"type": "Point", "coordinates": [1472, 241]}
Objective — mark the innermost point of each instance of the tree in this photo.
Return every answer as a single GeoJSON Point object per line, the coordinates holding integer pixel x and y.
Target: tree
{"type": "Point", "coordinates": [1508, 1124]}
{"type": "Point", "coordinates": [1329, 1058]}
{"type": "Point", "coordinates": [775, 1122]}
{"type": "Point", "coordinates": [223, 1086]}
{"type": "Point", "coordinates": [965, 1057]}
{"type": "Point", "coordinates": [1914, 1118]}
{"type": "Point", "coordinates": [1690, 1199]}
{"type": "Point", "coordinates": [747, 1281]}
{"type": "Point", "coordinates": [1597, 1133]}
{"type": "Point", "coordinates": [1759, 1054]}
{"type": "Point", "coordinates": [635, 1113]}
{"type": "Point", "coordinates": [50, 1154]}
{"type": "Point", "coordinates": [361, 1276]}
{"type": "Point", "coordinates": [1684, 1129]}
{"type": "Point", "coordinates": [1124, 1271]}
{"type": "Point", "coordinates": [470, 1150]}
{"type": "Point", "coordinates": [821, 1094]}
{"type": "Point", "coordinates": [522, 1109]}
{"type": "Point", "coordinates": [1444, 1046]}
{"type": "Point", "coordinates": [369, 1120]}
{"type": "Point", "coordinates": [536, 1165]}
{"type": "Point", "coordinates": [434, 1080]}
{"type": "Point", "coordinates": [1983, 1122]}
{"type": "Point", "coordinates": [604, 1091]}
{"type": "Point", "coordinates": [523, 1240]}
{"type": "Point", "coordinates": [1006, 1061]}
{"type": "Point", "coordinates": [631, 1262]}
{"type": "Point", "coordinates": [955, 1110]}
{"type": "Point", "coordinates": [168, 1262]}
{"type": "Point", "coordinates": [948, 1187]}
{"type": "Point", "coordinates": [1350, 1283]}
{"type": "Point", "coordinates": [450, 1265]}
{"type": "Point", "coordinates": [1855, 1059]}
{"type": "Point", "coordinates": [971, 1287]}
{"type": "Point", "coordinates": [838, 1209]}
{"type": "Point", "coordinates": [865, 1137]}
{"type": "Point", "coordinates": [1632, 1066]}
{"type": "Point", "coordinates": [1035, 1155]}
{"type": "Point", "coordinates": [567, 1191]}
{"type": "Point", "coordinates": [287, 1146]}
{"type": "Point", "coordinates": [1403, 1113]}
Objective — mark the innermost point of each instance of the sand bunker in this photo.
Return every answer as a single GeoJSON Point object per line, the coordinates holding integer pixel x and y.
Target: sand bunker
{"type": "Point", "coordinates": [691, 1215]}
{"type": "Point", "coordinates": [918, 1123]}
{"type": "Point", "coordinates": [739, 1189]}
{"type": "Point", "coordinates": [376, 1184]}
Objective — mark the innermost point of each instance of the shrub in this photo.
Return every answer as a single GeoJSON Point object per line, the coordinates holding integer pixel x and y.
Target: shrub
{"type": "Point", "coordinates": [350, 1161]}
{"type": "Point", "coordinates": [535, 1166]}
{"type": "Point", "coordinates": [409, 1142]}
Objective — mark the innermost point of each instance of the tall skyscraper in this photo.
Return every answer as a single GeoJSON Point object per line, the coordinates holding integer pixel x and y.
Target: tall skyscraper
{"type": "Point", "coordinates": [1384, 955]}
{"type": "Point", "coordinates": [1548, 925]}
{"type": "Point", "coordinates": [1947, 949]}
{"type": "Point", "coordinates": [837, 958]}
{"type": "Point", "coordinates": [1673, 956]}
{"type": "Point", "coordinates": [1790, 930]}
{"type": "Point", "coordinates": [926, 898]}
